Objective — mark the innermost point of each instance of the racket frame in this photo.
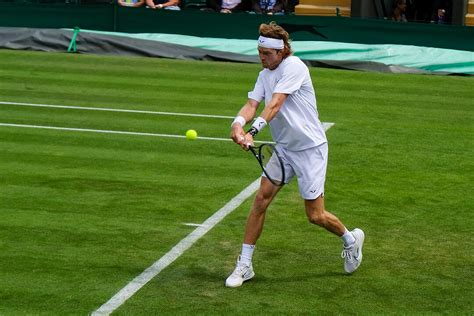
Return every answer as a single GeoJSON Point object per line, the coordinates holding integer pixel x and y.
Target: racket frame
{"type": "Point", "coordinates": [257, 153]}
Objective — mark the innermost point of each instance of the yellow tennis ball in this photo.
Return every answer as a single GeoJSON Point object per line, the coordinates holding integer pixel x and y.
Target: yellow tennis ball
{"type": "Point", "coordinates": [191, 134]}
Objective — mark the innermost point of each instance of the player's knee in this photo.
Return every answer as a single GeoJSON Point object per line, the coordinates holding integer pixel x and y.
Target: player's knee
{"type": "Point", "coordinates": [262, 201]}
{"type": "Point", "coordinates": [265, 195]}
{"type": "Point", "coordinates": [317, 219]}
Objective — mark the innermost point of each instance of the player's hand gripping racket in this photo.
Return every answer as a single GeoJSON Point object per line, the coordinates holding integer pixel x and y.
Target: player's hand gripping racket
{"type": "Point", "coordinates": [271, 163]}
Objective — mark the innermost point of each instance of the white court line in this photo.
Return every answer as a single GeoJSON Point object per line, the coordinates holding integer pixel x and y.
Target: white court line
{"type": "Point", "coordinates": [136, 284]}
{"type": "Point", "coordinates": [114, 110]}
{"type": "Point", "coordinates": [192, 224]}
{"type": "Point", "coordinates": [73, 129]}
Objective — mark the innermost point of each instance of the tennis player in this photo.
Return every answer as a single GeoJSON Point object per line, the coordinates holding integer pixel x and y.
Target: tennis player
{"type": "Point", "coordinates": [290, 111]}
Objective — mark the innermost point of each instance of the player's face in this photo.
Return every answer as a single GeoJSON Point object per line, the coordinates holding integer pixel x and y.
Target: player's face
{"type": "Point", "coordinates": [269, 57]}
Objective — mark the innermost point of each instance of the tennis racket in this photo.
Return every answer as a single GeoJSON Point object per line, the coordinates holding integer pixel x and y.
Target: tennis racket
{"type": "Point", "coordinates": [270, 162]}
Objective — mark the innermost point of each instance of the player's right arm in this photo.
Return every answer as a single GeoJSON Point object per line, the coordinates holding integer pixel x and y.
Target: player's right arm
{"type": "Point", "coordinates": [247, 113]}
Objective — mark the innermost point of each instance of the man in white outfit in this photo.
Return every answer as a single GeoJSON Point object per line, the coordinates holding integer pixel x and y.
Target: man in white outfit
{"type": "Point", "coordinates": [290, 111]}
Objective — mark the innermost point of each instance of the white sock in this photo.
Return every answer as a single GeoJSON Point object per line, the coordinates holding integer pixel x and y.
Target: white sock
{"type": "Point", "coordinates": [246, 254]}
{"type": "Point", "coordinates": [348, 238]}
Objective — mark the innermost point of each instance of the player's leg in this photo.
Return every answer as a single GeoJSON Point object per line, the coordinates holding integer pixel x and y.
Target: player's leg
{"type": "Point", "coordinates": [310, 166]}
{"type": "Point", "coordinates": [318, 215]}
{"type": "Point", "coordinates": [256, 217]}
{"type": "Point", "coordinates": [255, 220]}
{"type": "Point", "coordinates": [352, 240]}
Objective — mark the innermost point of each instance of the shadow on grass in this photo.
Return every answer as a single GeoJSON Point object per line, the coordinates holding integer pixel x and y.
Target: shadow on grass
{"type": "Point", "coordinates": [203, 276]}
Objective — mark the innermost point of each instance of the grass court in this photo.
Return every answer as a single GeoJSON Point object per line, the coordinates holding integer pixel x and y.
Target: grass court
{"type": "Point", "coordinates": [82, 213]}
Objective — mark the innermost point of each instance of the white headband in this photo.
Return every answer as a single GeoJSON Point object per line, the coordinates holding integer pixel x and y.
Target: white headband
{"type": "Point", "coordinates": [268, 42]}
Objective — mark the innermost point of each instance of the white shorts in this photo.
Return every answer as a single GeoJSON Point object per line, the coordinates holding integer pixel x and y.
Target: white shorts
{"type": "Point", "coordinates": [308, 165]}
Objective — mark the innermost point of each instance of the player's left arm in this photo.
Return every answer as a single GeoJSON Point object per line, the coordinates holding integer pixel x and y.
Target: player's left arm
{"type": "Point", "coordinates": [274, 106]}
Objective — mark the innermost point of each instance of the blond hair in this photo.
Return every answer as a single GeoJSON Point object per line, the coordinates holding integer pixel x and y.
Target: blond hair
{"type": "Point", "coordinates": [273, 30]}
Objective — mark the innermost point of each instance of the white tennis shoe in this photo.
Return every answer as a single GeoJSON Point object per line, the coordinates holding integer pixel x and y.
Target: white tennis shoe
{"type": "Point", "coordinates": [353, 254]}
{"type": "Point", "coordinates": [241, 274]}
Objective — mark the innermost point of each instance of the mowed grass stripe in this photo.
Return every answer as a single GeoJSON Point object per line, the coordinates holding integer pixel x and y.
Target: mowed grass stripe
{"type": "Point", "coordinates": [105, 84]}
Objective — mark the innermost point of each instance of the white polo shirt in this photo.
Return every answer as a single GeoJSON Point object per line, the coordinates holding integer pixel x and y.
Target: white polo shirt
{"type": "Point", "coordinates": [296, 126]}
